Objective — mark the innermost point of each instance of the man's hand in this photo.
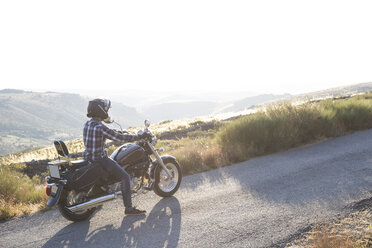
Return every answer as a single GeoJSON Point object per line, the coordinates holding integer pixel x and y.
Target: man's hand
{"type": "Point", "coordinates": [144, 135]}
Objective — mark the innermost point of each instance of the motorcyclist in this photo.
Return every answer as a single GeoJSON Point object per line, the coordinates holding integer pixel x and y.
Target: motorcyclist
{"type": "Point", "coordinates": [95, 134]}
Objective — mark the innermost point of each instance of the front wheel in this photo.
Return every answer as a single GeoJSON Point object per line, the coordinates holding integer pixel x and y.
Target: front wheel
{"type": "Point", "coordinates": [164, 185]}
{"type": "Point", "coordinates": [69, 198]}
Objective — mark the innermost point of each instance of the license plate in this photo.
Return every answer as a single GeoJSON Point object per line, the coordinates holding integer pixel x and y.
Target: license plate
{"type": "Point", "coordinates": [54, 171]}
{"type": "Point", "coordinates": [54, 190]}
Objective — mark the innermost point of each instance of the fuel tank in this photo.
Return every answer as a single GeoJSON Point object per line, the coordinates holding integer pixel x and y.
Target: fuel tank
{"type": "Point", "coordinates": [129, 154]}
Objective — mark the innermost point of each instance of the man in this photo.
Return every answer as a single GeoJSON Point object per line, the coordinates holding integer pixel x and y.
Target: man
{"type": "Point", "coordinates": [95, 134]}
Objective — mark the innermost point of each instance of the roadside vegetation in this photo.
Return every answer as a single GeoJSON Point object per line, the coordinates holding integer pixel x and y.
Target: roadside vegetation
{"type": "Point", "coordinates": [352, 231]}
{"type": "Point", "coordinates": [272, 129]}
{"type": "Point", "coordinates": [20, 194]}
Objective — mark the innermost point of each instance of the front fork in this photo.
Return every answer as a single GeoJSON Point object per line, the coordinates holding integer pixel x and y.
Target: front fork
{"type": "Point", "coordinates": [158, 158]}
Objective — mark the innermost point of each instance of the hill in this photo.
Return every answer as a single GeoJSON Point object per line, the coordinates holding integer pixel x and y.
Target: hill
{"type": "Point", "coordinates": [178, 110]}
{"type": "Point", "coordinates": [250, 102]}
{"type": "Point", "coordinates": [183, 109]}
{"type": "Point", "coordinates": [333, 92]}
{"type": "Point", "coordinates": [32, 119]}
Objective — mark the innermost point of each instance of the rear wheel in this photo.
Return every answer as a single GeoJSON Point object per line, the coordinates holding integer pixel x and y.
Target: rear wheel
{"type": "Point", "coordinates": [164, 185]}
{"type": "Point", "coordinates": [70, 198]}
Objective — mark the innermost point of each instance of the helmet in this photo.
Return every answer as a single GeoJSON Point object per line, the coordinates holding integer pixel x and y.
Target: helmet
{"type": "Point", "coordinates": [99, 108]}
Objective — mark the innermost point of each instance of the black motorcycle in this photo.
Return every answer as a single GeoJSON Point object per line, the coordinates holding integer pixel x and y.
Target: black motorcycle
{"type": "Point", "coordinates": [70, 183]}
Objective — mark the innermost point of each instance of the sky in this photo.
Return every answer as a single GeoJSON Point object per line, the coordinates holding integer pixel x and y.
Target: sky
{"type": "Point", "coordinates": [265, 46]}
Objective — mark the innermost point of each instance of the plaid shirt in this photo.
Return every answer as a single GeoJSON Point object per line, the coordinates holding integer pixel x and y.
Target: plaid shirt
{"type": "Point", "coordinates": [95, 135]}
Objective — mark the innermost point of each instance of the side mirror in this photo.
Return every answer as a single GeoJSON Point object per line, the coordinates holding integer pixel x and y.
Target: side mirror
{"type": "Point", "coordinates": [147, 123]}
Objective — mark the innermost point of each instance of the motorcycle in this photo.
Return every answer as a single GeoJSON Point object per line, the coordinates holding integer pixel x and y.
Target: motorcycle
{"type": "Point", "coordinates": [70, 183]}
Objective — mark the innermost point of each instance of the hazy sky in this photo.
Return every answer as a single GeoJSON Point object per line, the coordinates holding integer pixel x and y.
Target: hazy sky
{"type": "Point", "coordinates": [258, 46]}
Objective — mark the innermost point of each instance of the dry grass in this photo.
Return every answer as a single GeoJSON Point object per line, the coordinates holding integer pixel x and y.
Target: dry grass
{"type": "Point", "coordinates": [11, 209]}
{"type": "Point", "coordinates": [284, 126]}
{"type": "Point", "coordinates": [19, 194]}
{"type": "Point", "coordinates": [195, 155]}
{"type": "Point", "coordinates": [353, 231]}
{"type": "Point", "coordinates": [324, 238]}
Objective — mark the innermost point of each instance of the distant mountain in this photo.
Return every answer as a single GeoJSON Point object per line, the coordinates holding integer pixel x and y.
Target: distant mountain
{"type": "Point", "coordinates": [175, 107]}
{"type": "Point", "coordinates": [144, 98]}
{"type": "Point", "coordinates": [178, 110]}
{"type": "Point", "coordinates": [339, 91]}
{"type": "Point", "coordinates": [30, 119]}
{"type": "Point", "coordinates": [251, 101]}
{"type": "Point", "coordinates": [175, 110]}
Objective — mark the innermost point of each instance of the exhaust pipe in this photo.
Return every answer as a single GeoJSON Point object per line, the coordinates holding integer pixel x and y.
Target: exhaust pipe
{"type": "Point", "coordinates": [93, 203]}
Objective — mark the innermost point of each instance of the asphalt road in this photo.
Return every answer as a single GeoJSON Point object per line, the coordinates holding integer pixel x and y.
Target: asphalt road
{"type": "Point", "coordinates": [263, 202]}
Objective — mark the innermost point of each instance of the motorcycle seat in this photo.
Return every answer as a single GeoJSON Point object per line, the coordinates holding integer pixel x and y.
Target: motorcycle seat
{"type": "Point", "coordinates": [79, 163]}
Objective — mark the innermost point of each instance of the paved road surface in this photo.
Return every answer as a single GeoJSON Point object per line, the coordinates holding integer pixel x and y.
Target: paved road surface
{"type": "Point", "coordinates": [263, 202]}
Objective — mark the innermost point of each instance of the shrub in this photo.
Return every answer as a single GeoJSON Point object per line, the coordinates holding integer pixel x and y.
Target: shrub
{"type": "Point", "coordinates": [165, 122]}
{"type": "Point", "coordinates": [195, 155]}
{"type": "Point", "coordinates": [196, 123]}
{"type": "Point", "coordinates": [18, 193]}
{"type": "Point", "coordinates": [285, 126]}
{"type": "Point", "coordinates": [199, 133]}
{"type": "Point", "coordinates": [350, 115]}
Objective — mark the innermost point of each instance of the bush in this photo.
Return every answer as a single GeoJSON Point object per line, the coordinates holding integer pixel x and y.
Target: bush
{"type": "Point", "coordinates": [18, 193]}
{"type": "Point", "coordinates": [349, 115]}
{"type": "Point", "coordinates": [278, 128]}
{"type": "Point", "coordinates": [196, 123]}
{"type": "Point", "coordinates": [195, 155]}
{"type": "Point", "coordinates": [286, 126]}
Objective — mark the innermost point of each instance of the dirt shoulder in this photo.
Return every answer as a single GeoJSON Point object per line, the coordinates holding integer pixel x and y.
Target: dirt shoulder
{"type": "Point", "coordinates": [352, 230]}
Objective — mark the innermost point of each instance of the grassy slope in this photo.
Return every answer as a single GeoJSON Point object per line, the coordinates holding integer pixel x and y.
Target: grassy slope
{"type": "Point", "coordinates": [19, 194]}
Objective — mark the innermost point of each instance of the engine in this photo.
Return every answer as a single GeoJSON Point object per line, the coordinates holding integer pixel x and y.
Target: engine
{"type": "Point", "coordinates": [135, 184]}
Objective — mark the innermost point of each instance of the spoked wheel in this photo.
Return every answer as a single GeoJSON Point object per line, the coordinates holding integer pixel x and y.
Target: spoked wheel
{"type": "Point", "coordinates": [165, 185]}
{"type": "Point", "coordinates": [69, 198]}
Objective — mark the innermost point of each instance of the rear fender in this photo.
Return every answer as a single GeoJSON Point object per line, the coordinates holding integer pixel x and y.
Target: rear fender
{"type": "Point", "coordinates": [54, 198]}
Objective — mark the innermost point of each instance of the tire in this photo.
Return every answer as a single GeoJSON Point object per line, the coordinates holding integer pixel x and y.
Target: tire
{"type": "Point", "coordinates": [163, 186]}
{"type": "Point", "coordinates": [62, 207]}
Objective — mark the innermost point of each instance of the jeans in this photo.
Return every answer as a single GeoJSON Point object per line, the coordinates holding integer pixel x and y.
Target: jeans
{"type": "Point", "coordinates": [114, 169]}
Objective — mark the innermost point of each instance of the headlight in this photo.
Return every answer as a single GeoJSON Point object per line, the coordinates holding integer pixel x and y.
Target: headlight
{"type": "Point", "coordinates": [154, 140]}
